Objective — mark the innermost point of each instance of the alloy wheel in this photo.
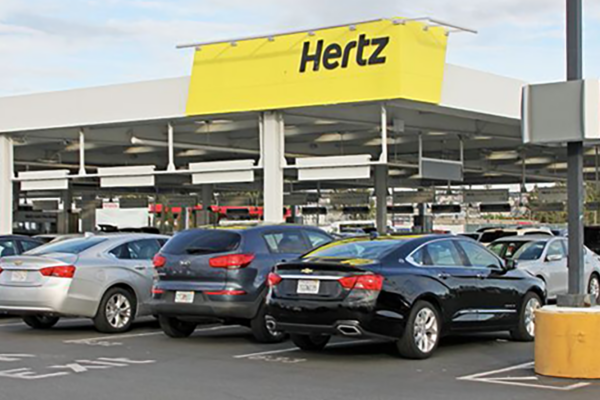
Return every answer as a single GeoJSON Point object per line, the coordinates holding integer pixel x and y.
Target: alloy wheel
{"type": "Point", "coordinates": [118, 311]}
{"type": "Point", "coordinates": [529, 317]}
{"type": "Point", "coordinates": [594, 289]}
{"type": "Point", "coordinates": [426, 330]}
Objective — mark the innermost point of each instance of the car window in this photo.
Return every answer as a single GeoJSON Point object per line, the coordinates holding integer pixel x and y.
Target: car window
{"type": "Point", "coordinates": [364, 249]}
{"type": "Point", "coordinates": [506, 249]}
{"type": "Point", "coordinates": [71, 246]}
{"type": "Point", "coordinates": [530, 251]}
{"type": "Point", "coordinates": [478, 256]}
{"type": "Point", "coordinates": [286, 242]}
{"type": "Point", "coordinates": [556, 248]}
{"type": "Point", "coordinates": [202, 241]}
{"type": "Point", "coordinates": [489, 237]}
{"type": "Point", "coordinates": [317, 238]}
{"type": "Point", "coordinates": [537, 233]}
{"type": "Point", "coordinates": [7, 248]}
{"type": "Point", "coordinates": [136, 250]}
{"type": "Point", "coordinates": [442, 253]}
{"type": "Point", "coordinates": [29, 245]}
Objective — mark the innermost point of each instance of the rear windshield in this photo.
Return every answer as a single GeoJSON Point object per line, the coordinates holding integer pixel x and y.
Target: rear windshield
{"type": "Point", "coordinates": [489, 237]}
{"type": "Point", "coordinates": [530, 251]}
{"type": "Point", "coordinates": [202, 242]}
{"type": "Point", "coordinates": [372, 250]}
{"type": "Point", "coordinates": [71, 246]}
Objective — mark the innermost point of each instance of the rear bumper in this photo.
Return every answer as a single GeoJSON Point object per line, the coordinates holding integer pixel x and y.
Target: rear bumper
{"type": "Point", "coordinates": [51, 298]}
{"type": "Point", "coordinates": [337, 319]}
{"type": "Point", "coordinates": [205, 306]}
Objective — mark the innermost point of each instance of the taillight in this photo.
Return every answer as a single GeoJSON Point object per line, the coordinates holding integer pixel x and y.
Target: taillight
{"type": "Point", "coordinates": [159, 261]}
{"type": "Point", "coordinates": [226, 293]}
{"type": "Point", "coordinates": [157, 291]}
{"type": "Point", "coordinates": [64, 271]}
{"type": "Point", "coordinates": [1, 270]}
{"type": "Point", "coordinates": [273, 279]}
{"type": "Point", "coordinates": [231, 261]}
{"type": "Point", "coordinates": [362, 282]}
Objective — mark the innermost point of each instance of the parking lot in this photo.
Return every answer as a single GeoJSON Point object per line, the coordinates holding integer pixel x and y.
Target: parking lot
{"type": "Point", "coordinates": [223, 362]}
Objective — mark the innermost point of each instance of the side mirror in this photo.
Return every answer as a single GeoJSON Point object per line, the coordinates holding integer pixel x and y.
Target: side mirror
{"type": "Point", "coordinates": [554, 257]}
{"type": "Point", "coordinates": [510, 264]}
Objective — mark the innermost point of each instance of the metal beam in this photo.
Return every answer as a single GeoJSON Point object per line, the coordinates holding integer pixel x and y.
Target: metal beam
{"type": "Point", "coordinates": [575, 157]}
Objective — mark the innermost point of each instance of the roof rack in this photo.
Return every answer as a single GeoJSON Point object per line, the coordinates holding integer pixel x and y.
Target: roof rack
{"type": "Point", "coordinates": [429, 23]}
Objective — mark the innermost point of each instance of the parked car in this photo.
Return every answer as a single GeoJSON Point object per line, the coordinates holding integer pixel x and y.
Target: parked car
{"type": "Point", "coordinates": [11, 245]}
{"type": "Point", "coordinates": [410, 290]}
{"type": "Point", "coordinates": [489, 235]}
{"type": "Point", "coordinates": [546, 258]}
{"type": "Point", "coordinates": [106, 278]}
{"type": "Point", "coordinates": [220, 274]}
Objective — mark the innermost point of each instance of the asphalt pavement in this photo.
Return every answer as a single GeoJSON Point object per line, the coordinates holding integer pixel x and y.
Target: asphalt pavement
{"type": "Point", "coordinates": [73, 362]}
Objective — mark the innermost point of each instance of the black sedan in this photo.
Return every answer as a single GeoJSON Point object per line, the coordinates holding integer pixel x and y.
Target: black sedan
{"type": "Point", "coordinates": [411, 290]}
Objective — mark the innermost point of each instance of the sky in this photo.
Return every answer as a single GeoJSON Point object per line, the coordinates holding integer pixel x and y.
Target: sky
{"type": "Point", "coordinates": [48, 45]}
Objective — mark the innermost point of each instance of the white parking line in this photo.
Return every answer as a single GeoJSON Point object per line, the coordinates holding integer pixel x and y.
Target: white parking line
{"type": "Point", "coordinates": [133, 335]}
{"type": "Point", "coordinates": [291, 349]}
{"type": "Point", "coordinates": [488, 377]}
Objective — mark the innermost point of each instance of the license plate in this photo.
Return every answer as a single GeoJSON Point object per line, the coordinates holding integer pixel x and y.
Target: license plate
{"type": "Point", "coordinates": [184, 297]}
{"type": "Point", "coordinates": [306, 286]}
{"type": "Point", "coordinates": [18, 276]}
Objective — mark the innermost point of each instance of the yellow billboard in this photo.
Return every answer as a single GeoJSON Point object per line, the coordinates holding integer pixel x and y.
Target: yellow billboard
{"type": "Point", "coordinates": [377, 60]}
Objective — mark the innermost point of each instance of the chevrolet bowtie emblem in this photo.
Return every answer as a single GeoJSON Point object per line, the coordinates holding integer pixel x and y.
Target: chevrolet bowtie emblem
{"type": "Point", "coordinates": [307, 271]}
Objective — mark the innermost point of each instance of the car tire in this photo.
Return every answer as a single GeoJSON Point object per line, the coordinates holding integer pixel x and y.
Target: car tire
{"type": "Point", "coordinates": [311, 342]}
{"type": "Point", "coordinates": [176, 328]}
{"type": "Point", "coordinates": [261, 331]}
{"type": "Point", "coordinates": [422, 332]}
{"type": "Point", "coordinates": [40, 321]}
{"type": "Point", "coordinates": [116, 311]}
{"type": "Point", "coordinates": [594, 288]}
{"type": "Point", "coordinates": [525, 331]}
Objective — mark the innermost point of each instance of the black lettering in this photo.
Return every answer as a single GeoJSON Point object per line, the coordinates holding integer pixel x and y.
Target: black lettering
{"type": "Point", "coordinates": [347, 53]}
{"type": "Point", "coordinates": [332, 53]}
{"type": "Point", "coordinates": [377, 57]}
{"type": "Point", "coordinates": [314, 58]}
{"type": "Point", "coordinates": [362, 43]}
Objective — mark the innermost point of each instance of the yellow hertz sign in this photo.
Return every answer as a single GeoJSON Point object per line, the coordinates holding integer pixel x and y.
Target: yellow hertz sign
{"type": "Point", "coordinates": [375, 61]}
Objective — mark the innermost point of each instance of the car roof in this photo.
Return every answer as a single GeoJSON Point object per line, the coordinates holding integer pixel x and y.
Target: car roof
{"type": "Point", "coordinates": [524, 238]}
{"type": "Point", "coordinates": [258, 227]}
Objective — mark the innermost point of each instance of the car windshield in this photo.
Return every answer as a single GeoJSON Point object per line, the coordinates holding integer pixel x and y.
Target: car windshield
{"type": "Point", "coordinates": [71, 246]}
{"type": "Point", "coordinates": [507, 249]}
{"type": "Point", "coordinates": [530, 251]}
{"type": "Point", "coordinates": [202, 241]}
{"type": "Point", "coordinates": [371, 250]}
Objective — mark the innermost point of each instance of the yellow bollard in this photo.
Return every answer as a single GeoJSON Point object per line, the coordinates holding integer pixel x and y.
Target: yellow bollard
{"type": "Point", "coordinates": [567, 342]}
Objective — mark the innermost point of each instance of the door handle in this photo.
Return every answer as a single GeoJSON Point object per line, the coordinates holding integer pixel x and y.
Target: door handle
{"type": "Point", "coordinates": [139, 267]}
{"type": "Point", "coordinates": [480, 276]}
{"type": "Point", "coordinates": [443, 275]}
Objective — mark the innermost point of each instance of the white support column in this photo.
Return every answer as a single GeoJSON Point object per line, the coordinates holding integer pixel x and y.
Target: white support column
{"type": "Point", "coordinates": [381, 194]}
{"type": "Point", "coordinates": [6, 184]}
{"type": "Point", "coordinates": [81, 152]}
{"type": "Point", "coordinates": [273, 160]}
{"type": "Point", "coordinates": [171, 145]}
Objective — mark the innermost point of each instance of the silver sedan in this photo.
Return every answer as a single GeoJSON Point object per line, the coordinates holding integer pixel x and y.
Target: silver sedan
{"type": "Point", "coordinates": [546, 258]}
{"type": "Point", "coordinates": [106, 278]}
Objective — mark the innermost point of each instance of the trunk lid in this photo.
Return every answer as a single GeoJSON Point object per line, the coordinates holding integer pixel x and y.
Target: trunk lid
{"type": "Point", "coordinates": [24, 270]}
{"type": "Point", "coordinates": [319, 278]}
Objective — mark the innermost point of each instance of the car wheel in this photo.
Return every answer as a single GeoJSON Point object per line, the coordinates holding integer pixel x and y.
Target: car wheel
{"type": "Point", "coordinates": [176, 328]}
{"type": "Point", "coordinates": [525, 331]}
{"type": "Point", "coordinates": [40, 321]}
{"type": "Point", "coordinates": [311, 342]}
{"type": "Point", "coordinates": [594, 288]}
{"type": "Point", "coordinates": [263, 331]}
{"type": "Point", "coordinates": [116, 311]}
{"type": "Point", "coordinates": [422, 333]}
